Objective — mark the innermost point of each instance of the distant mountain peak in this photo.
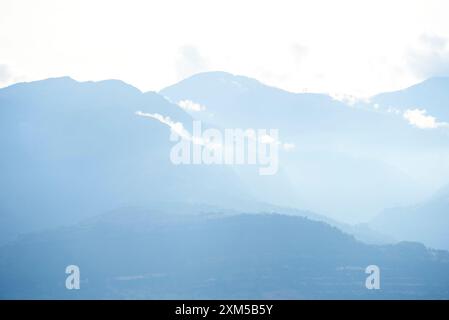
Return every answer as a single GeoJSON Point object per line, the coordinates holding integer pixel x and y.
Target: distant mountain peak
{"type": "Point", "coordinates": [219, 83]}
{"type": "Point", "coordinates": [114, 83]}
{"type": "Point", "coordinates": [438, 82]}
{"type": "Point", "coordinates": [65, 82]}
{"type": "Point", "coordinates": [223, 79]}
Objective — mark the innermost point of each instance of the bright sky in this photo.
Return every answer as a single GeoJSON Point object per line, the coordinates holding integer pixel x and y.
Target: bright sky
{"type": "Point", "coordinates": [346, 47]}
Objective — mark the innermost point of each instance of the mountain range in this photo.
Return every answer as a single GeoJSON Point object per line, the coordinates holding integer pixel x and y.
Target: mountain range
{"type": "Point", "coordinates": [424, 222]}
{"type": "Point", "coordinates": [347, 152]}
{"type": "Point", "coordinates": [87, 178]}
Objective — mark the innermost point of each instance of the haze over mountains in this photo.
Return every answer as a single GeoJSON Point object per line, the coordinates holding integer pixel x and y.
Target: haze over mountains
{"type": "Point", "coordinates": [424, 222]}
{"type": "Point", "coordinates": [347, 153]}
{"type": "Point", "coordinates": [431, 95]}
{"type": "Point", "coordinates": [74, 150]}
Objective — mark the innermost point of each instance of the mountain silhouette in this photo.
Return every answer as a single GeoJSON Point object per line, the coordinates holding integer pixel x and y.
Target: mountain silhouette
{"type": "Point", "coordinates": [157, 253]}
{"type": "Point", "coordinates": [342, 153]}
{"type": "Point", "coordinates": [431, 95]}
{"type": "Point", "coordinates": [426, 222]}
{"type": "Point", "coordinates": [76, 149]}
{"type": "Point", "coordinates": [72, 151]}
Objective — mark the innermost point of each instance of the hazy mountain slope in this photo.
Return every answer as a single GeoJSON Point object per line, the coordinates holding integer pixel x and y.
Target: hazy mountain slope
{"type": "Point", "coordinates": [134, 253]}
{"type": "Point", "coordinates": [237, 101]}
{"type": "Point", "coordinates": [71, 150]}
{"type": "Point", "coordinates": [342, 153]}
{"type": "Point", "coordinates": [431, 95]}
{"type": "Point", "coordinates": [363, 232]}
{"type": "Point", "coordinates": [427, 222]}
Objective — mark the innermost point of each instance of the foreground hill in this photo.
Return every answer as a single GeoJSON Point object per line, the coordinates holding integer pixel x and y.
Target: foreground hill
{"type": "Point", "coordinates": [149, 254]}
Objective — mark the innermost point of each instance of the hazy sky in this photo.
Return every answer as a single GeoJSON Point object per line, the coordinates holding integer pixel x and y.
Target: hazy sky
{"type": "Point", "coordinates": [351, 47]}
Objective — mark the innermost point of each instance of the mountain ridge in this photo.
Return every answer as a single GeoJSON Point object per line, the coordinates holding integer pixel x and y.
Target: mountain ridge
{"type": "Point", "coordinates": [221, 257]}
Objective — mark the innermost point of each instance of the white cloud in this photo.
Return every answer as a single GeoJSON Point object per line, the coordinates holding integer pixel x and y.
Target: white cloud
{"type": "Point", "coordinates": [430, 57]}
{"type": "Point", "coordinates": [176, 127]}
{"type": "Point", "coordinates": [189, 105]}
{"type": "Point", "coordinates": [189, 61]}
{"type": "Point", "coordinates": [348, 99]}
{"type": "Point", "coordinates": [420, 119]}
